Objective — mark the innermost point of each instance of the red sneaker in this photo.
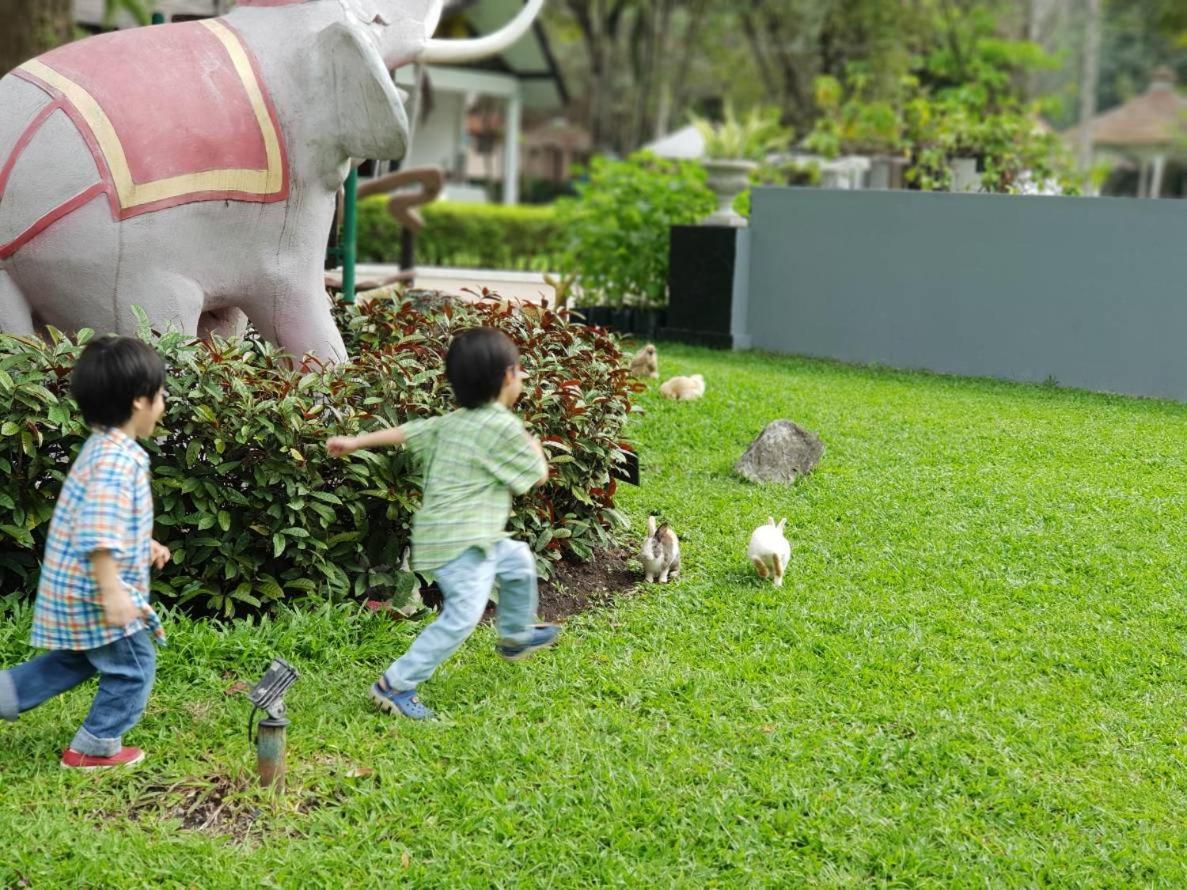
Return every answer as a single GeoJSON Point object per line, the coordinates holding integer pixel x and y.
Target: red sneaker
{"type": "Point", "coordinates": [72, 759]}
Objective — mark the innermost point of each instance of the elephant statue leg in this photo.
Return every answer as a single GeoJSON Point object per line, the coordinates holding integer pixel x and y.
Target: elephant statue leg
{"type": "Point", "coordinates": [294, 312]}
{"type": "Point", "coordinates": [315, 327]}
{"type": "Point", "coordinates": [175, 302]}
{"type": "Point", "coordinates": [16, 317]}
{"type": "Point", "coordinates": [227, 322]}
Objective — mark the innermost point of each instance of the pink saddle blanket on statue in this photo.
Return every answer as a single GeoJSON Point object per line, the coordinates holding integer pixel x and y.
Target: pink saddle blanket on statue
{"type": "Point", "coordinates": [172, 114]}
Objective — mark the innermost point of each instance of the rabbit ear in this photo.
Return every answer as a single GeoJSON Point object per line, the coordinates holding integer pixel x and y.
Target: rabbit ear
{"type": "Point", "coordinates": [770, 520]}
{"type": "Point", "coordinates": [782, 522]}
{"type": "Point", "coordinates": [651, 524]}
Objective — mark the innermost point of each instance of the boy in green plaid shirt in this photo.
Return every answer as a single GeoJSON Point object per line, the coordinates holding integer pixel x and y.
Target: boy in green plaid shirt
{"type": "Point", "coordinates": [474, 460]}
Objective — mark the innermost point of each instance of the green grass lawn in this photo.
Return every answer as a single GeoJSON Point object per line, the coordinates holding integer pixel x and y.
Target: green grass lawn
{"type": "Point", "coordinates": [973, 676]}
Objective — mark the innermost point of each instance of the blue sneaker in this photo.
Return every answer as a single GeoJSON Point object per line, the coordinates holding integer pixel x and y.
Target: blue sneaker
{"type": "Point", "coordinates": [405, 703]}
{"type": "Point", "coordinates": [543, 636]}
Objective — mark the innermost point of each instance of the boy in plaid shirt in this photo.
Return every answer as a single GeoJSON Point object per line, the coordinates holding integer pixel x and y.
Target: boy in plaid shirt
{"type": "Point", "coordinates": [474, 460]}
{"type": "Point", "coordinates": [92, 610]}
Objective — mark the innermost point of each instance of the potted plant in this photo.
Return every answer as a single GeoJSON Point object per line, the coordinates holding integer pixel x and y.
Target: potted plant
{"type": "Point", "coordinates": [733, 150]}
{"type": "Point", "coordinates": [850, 123]}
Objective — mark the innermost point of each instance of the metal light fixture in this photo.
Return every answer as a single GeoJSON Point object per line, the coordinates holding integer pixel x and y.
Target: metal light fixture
{"type": "Point", "coordinates": [269, 739]}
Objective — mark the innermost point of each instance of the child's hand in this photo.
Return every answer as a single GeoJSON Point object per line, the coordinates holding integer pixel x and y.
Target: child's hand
{"type": "Point", "coordinates": [160, 555]}
{"type": "Point", "coordinates": [340, 446]}
{"type": "Point", "coordinates": [118, 608]}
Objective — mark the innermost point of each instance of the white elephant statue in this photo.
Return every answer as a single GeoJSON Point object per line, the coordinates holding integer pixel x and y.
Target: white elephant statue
{"type": "Point", "coordinates": [191, 169]}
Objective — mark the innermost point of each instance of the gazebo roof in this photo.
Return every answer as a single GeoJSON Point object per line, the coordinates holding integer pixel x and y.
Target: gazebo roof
{"type": "Point", "coordinates": [1158, 117]}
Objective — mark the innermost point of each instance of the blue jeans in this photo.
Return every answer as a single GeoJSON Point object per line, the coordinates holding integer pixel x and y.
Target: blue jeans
{"type": "Point", "coordinates": [126, 670]}
{"type": "Point", "coordinates": [466, 583]}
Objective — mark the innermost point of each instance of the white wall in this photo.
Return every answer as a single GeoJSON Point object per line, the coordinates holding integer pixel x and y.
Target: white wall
{"type": "Point", "coordinates": [439, 136]}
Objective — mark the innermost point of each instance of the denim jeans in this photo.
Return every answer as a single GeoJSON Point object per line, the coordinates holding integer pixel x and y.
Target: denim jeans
{"type": "Point", "coordinates": [466, 583]}
{"type": "Point", "coordinates": [126, 670]}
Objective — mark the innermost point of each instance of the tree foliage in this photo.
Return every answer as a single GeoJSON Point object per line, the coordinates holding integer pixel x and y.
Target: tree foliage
{"type": "Point", "coordinates": [774, 52]}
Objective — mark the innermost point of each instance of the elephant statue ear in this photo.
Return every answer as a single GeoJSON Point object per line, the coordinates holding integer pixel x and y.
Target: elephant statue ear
{"type": "Point", "coordinates": [371, 118]}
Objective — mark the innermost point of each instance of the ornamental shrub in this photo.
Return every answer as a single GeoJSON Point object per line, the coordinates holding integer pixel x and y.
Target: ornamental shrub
{"type": "Point", "coordinates": [254, 509]}
{"type": "Point", "coordinates": [618, 226]}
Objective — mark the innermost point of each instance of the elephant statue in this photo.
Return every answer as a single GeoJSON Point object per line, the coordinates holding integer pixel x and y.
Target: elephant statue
{"type": "Point", "coordinates": [192, 169]}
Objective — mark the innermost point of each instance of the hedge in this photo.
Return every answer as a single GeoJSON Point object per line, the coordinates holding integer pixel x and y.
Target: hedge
{"type": "Point", "coordinates": [254, 509]}
{"type": "Point", "coordinates": [479, 236]}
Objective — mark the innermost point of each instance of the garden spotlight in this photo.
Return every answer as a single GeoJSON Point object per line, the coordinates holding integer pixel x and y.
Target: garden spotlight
{"type": "Point", "coordinates": [268, 696]}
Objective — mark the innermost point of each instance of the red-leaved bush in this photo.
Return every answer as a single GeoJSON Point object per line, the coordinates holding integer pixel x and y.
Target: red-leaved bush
{"type": "Point", "coordinates": [254, 509]}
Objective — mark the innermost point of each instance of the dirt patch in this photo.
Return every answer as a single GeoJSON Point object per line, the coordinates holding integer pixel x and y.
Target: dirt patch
{"type": "Point", "coordinates": [575, 587]}
{"type": "Point", "coordinates": [232, 807]}
{"type": "Point", "coordinates": [578, 587]}
{"type": "Point", "coordinates": [215, 804]}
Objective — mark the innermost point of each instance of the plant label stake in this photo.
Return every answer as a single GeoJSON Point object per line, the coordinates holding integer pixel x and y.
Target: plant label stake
{"type": "Point", "coordinates": [268, 696]}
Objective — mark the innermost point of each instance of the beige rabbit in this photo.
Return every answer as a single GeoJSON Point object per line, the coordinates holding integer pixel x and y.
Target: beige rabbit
{"type": "Point", "coordinates": [660, 553]}
{"type": "Point", "coordinates": [769, 551]}
{"type": "Point", "coordinates": [646, 362]}
{"type": "Point", "coordinates": [683, 389]}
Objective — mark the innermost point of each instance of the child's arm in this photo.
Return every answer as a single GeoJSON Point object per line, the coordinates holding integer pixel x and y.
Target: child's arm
{"type": "Point", "coordinates": [339, 446]}
{"type": "Point", "coordinates": [118, 608]}
{"type": "Point", "coordinates": [539, 449]}
{"type": "Point", "coordinates": [160, 555]}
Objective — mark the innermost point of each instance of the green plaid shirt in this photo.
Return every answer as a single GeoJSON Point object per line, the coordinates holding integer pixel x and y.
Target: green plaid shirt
{"type": "Point", "coordinates": [473, 461]}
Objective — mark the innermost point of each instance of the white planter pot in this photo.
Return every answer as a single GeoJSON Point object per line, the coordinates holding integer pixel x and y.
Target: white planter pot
{"type": "Point", "coordinates": [886, 172]}
{"type": "Point", "coordinates": [965, 177]}
{"type": "Point", "coordinates": [727, 179]}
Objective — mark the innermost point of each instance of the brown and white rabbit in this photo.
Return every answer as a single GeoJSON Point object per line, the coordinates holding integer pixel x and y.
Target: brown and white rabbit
{"type": "Point", "coordinates": [769, 551]}
{"type": "Point", "coordinates": [645, 363]}
{"type": "Point", "coordinates": [683, 389]}
{"type": "Point", "coordinates": [660, 553]}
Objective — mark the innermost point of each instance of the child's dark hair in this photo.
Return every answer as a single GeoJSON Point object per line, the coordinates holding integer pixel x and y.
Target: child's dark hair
{"type": "Point", "coordinates": [111, 374]}
{"type": "Point", "coordinates": [477, 364]}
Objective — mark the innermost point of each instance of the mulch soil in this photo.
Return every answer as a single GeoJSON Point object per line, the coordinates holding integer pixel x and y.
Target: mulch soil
{"type": "Point", "coordinates": [575, 587]}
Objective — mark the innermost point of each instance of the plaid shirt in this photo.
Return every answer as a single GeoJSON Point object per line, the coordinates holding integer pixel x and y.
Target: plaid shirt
{"type": "Point", "coordinates": [105, 504]}
{"type": "Point", "coordinates": [473, 460]}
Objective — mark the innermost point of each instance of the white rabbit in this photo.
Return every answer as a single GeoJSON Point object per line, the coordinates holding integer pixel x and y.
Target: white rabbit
{"type": "Point", "coordinates": [683, 389]}
{"type": "Point", "coordinates": [660, 553]}
{"type": "Point", "coordinates": [769, 551]}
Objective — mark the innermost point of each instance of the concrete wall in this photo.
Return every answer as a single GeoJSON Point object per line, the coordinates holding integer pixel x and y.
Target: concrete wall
{"type": "Point", "coordinates": [1089, 291]}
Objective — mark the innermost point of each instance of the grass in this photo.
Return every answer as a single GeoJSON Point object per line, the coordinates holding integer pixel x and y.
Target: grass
{"type": "Point", "coordinates": [974, 676]}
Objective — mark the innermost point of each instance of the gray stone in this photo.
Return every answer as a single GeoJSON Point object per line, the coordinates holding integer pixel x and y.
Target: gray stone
{"type": "Point", "coordinates": [783, 452]}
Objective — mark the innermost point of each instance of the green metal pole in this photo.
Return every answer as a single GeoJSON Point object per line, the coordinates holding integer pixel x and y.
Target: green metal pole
{"type": "Point", "coordinates": [350, 235]}
{"type": "Point", "coordinates": [270, 744]}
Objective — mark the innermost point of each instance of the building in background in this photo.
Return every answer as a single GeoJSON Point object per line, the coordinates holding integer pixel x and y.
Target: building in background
{"type": "Point", "coordinates": [1145, 141]}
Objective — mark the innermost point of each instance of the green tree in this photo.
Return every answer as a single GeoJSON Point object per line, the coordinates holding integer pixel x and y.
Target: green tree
{"type": "Point", "coordinates": [32, 27]}
{"type": "Point", "coordinates": [631, 62]}
{"type": "Point", "coordinates": [1137, 37]}
{"type": "Point", "coordinates": [963, 96]}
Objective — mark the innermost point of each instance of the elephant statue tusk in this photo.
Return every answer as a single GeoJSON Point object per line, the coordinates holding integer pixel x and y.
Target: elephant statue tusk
{"type": "Point", "coordinates": [452, 52]}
